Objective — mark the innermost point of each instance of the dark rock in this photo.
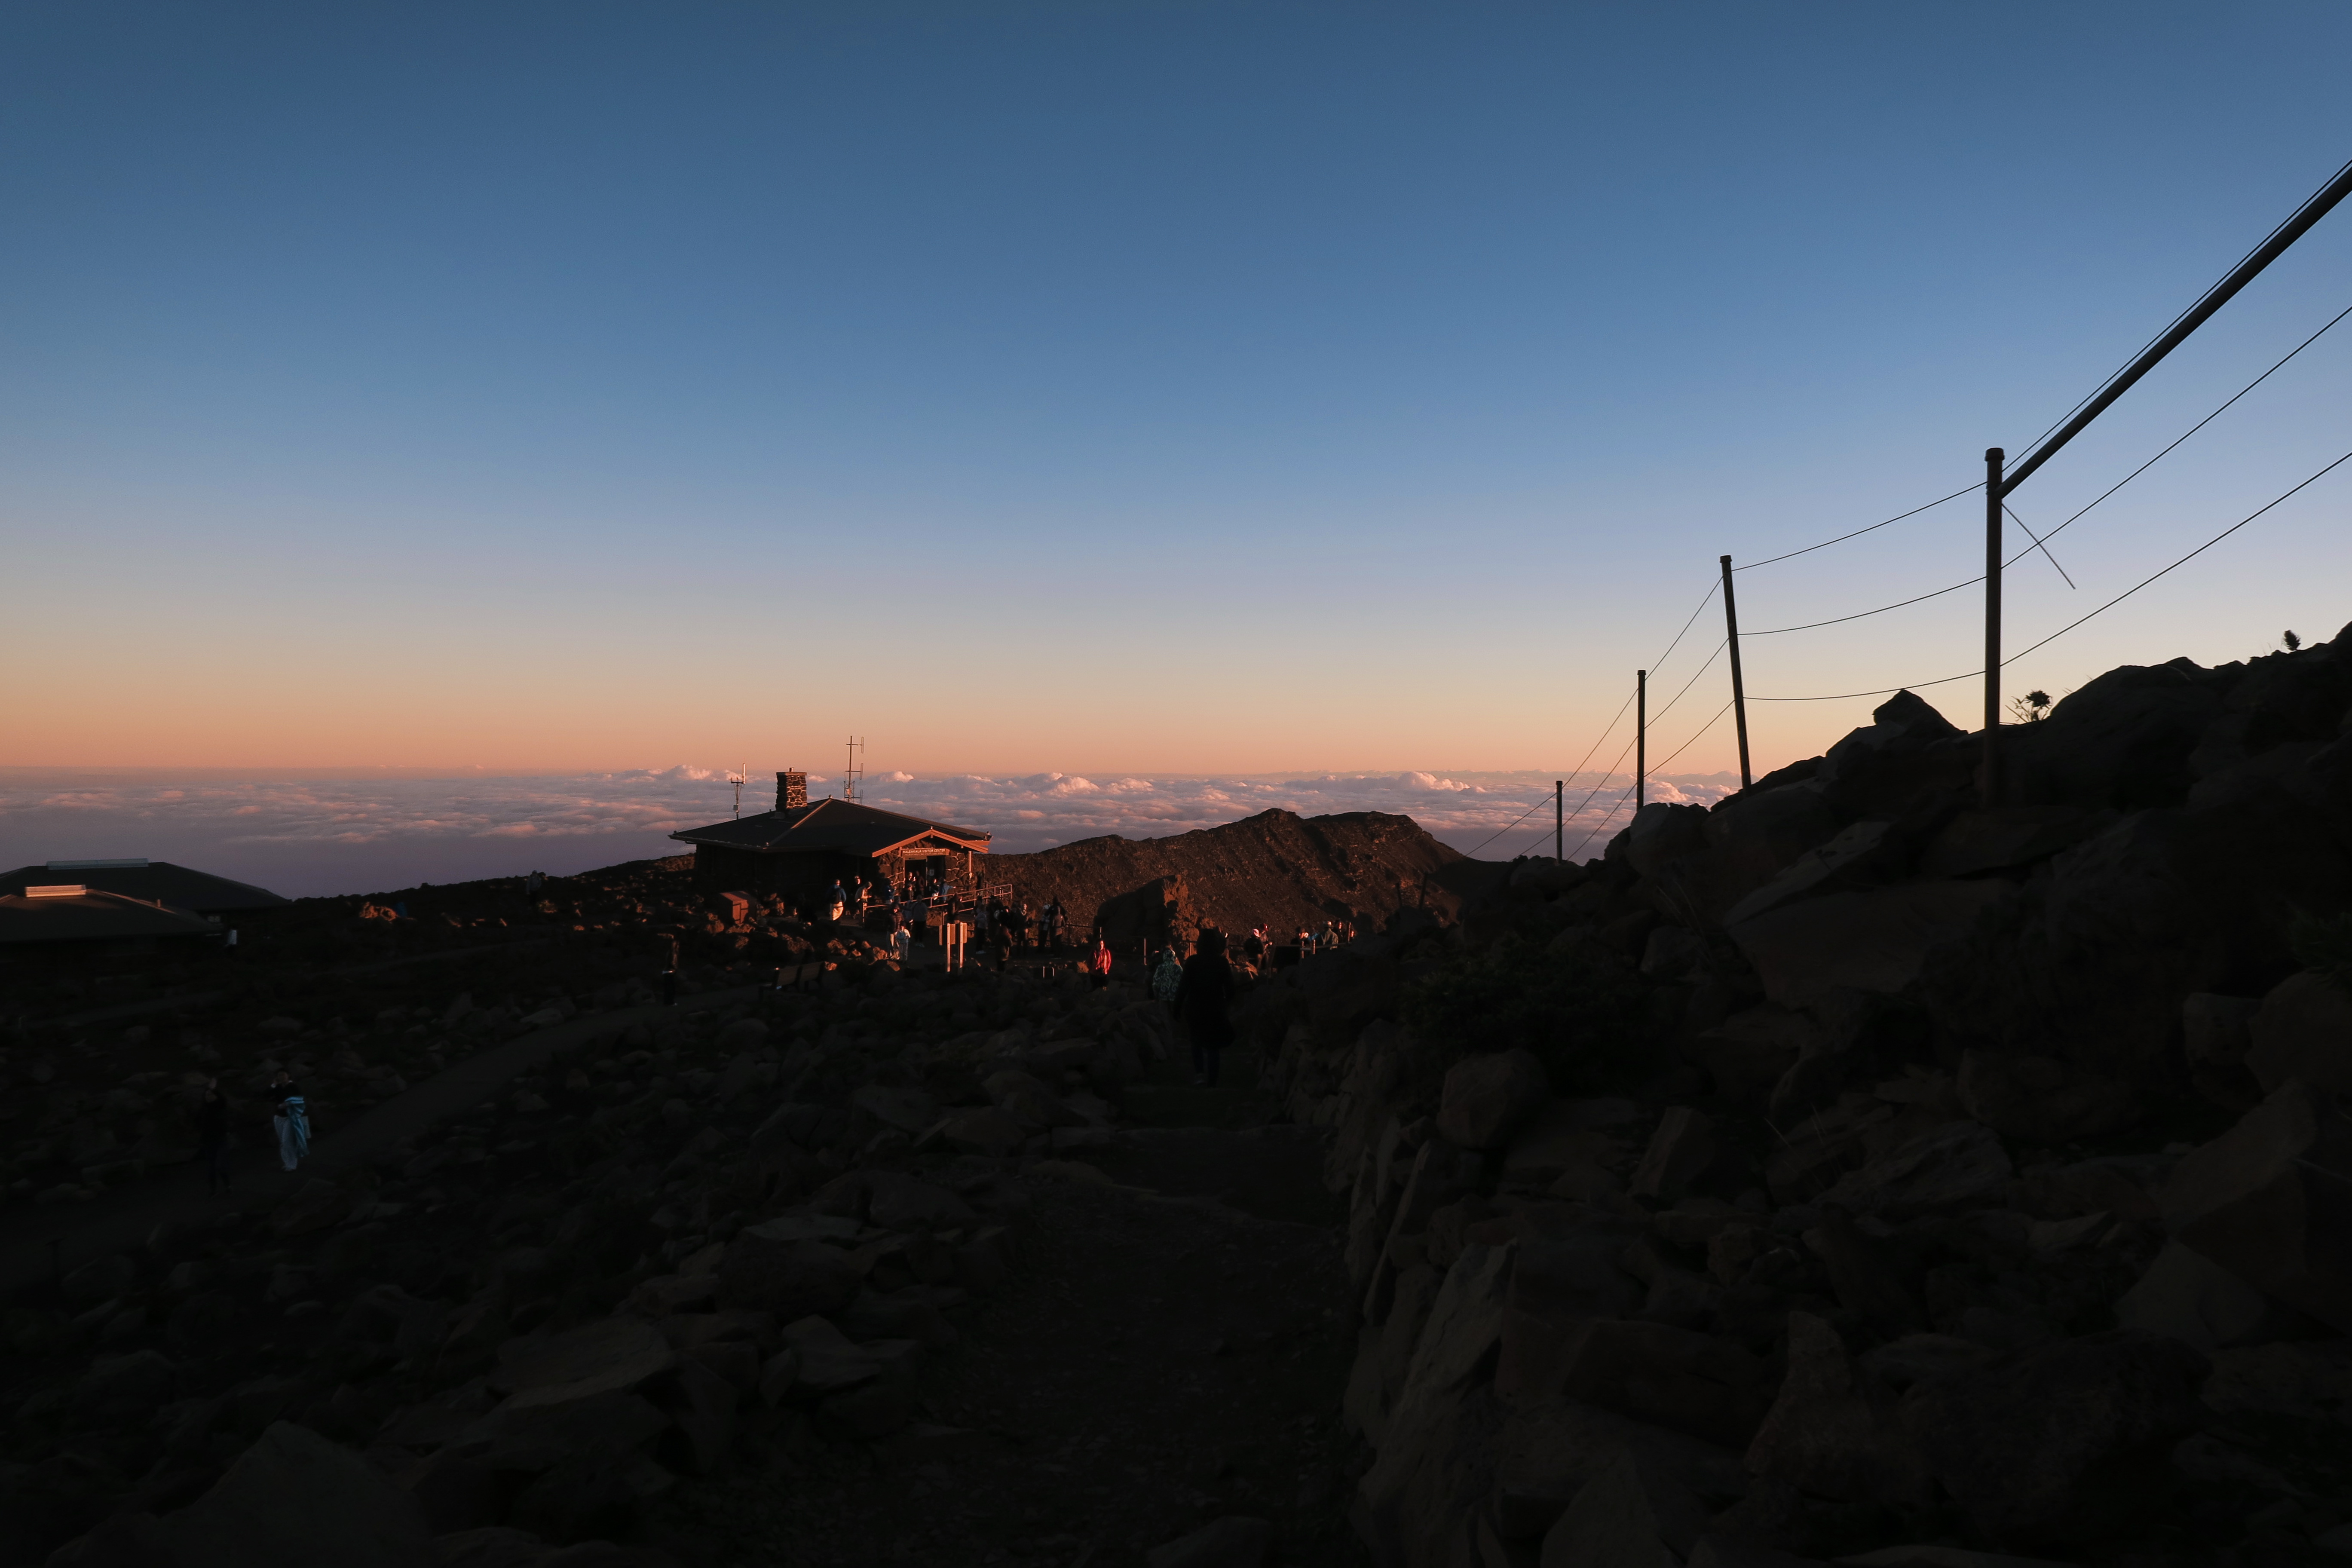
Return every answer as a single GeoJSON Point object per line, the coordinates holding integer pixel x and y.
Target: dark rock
{"type": "Point", "coordinates": [289, 1495]}
{"type": "Point", "coordinates": [791, 1280]}
{"type": "Point", "coordinates": [1690, 1382]}
{"type": "Point", "coordinates": [1610, 1525]}
{"type": "Point", "coordinates": [2303, 1029]}
{"type": "Point", "coordinates": [1865, 1285]}
{"type": "Point", "coordinates": [1835, 1430]}
{"type": "Point", "coordinates": [1680, 1152]}
{"type": "Point", "coordinates": [2015, 1444]}
{"type": "Point", "coordinates": [1976, 842]}
{"type": "Point", "coordinates": [614, 1355]}
{"type": "Point", "coordinates": [1488, 1097]}
{"type": "Point", "coordinates": [2271, 1201]}
{"type": "Point", "coordinates": [2121, 740]}
{"type": "Point", "coordinates": [1953, 1166]}
{"type": "Point", "coordinates": [2038, 1100]}
{"type": "Point", "coordinates": [1879, 940]}
{"type": "Point", "coordinates": [493, 1546]}
{"type": "Point", "coordinates": [1234, 1542]}
{"type": "Point", "coordinates": [102, 1280]}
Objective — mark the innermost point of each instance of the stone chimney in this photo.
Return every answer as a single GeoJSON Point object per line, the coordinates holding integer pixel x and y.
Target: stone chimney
{"type": "Point", "coordinates": [792, 791]}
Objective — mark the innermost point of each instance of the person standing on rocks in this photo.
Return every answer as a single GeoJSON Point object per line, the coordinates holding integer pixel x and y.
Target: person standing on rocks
{"type": "Point", "coordinates": [292, 1120]}
{"type": "Point", "coordinates": [1167, 976]}
{"type": "Point", "coordinates": [212, 1136]}
{"type": "Point", "coordinates": [1204, 997]}
{"type": "Point", "coordinates": [902, 942]}
{"type": "Point", "coordinates": [1098, 962]}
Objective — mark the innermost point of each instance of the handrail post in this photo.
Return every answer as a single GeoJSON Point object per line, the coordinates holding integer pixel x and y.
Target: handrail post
{"type": "Point", "coordinates": [1739, 687]}
{"type": "Point", "coordinates": [1558, 821]}
{"type": "Point", "coordinates": [1641, 734]}
{"type": "Point", "coordinates": [1993, 492]}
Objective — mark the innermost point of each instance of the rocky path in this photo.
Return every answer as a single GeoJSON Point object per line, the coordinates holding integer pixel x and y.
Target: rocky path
{"type": "Point", "coordinates": [35, 1239]}
{"type": "Point", "coordinates": [1171, 1351]}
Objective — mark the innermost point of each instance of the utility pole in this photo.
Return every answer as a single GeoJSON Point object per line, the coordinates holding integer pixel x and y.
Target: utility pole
{"type": "Point", "coordinates": [1739, 687]}
{"type": "Point", "coordinates": [1998, 484]}
{"type": "Point", "coordinates": [852, 774]}
{"type": "Point", "coordinates": [1641, 733]}
{"type": "Point", "coordinates": [1993, 491]}
{"type": "Point", "coordinates": [1559, 821]}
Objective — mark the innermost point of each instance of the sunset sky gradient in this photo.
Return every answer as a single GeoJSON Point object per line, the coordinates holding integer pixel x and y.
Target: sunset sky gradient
{"type": "Point", "coordinates": [1122, 388]}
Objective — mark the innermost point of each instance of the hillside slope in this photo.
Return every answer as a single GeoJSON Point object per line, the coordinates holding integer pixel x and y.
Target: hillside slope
{"type": "Point", "coordinates": [1276, 868]}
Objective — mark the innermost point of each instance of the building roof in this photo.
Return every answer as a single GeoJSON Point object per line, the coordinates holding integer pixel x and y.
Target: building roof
{"type": "Point", "coordinates": [148, 880]}
{"type": "Point", "coordinates": [92, 916]}
{"type": "Point", "coordinates": [834, 826]}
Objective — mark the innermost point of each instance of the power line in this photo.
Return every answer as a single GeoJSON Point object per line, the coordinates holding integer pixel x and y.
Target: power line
{"type": "Point", "coordinates": [1858, 533]}
{"type": "Point", "coordinates": [1604, 822]}
{"type": "Point", "coordinates": [2062, 631]}
{"type": "Point", "coordinates": [2199, 425]}
{"type": "Point", "coordinates": [1692, 681]}
{"type": "Point", "coordinates": [1505, 828]}
{"type": "Point", "coordinates": [2043, 544]}
{"type": "Point", "coordinates": [1702, 730]}
{"type": "Point", "coordinates": [2033, 446]}
{"type": "Point", "coordinates": [2184, 561]}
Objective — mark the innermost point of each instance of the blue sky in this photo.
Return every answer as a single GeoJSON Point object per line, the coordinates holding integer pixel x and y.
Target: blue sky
{"type": "Point", "coordinates": [1175, 387]}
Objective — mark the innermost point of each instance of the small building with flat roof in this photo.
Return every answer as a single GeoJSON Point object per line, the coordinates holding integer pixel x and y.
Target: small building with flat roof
{"type": "Point", "coordinates": [147, 881]}
{"type": "Point", "coordinates": [72, 912]}
{"type": "Point", "coordinates": [801, 847]}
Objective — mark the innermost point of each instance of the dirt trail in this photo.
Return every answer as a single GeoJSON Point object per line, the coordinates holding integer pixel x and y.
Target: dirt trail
{"type": "Point", "coordinates": [1171, 1349]}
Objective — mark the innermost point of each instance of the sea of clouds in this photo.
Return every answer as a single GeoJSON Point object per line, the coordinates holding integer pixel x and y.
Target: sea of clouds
{"type": "Point", "coordinates": [303, 837]}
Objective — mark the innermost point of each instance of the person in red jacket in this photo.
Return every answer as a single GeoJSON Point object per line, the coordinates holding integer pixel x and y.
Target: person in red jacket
{"type": "Point", "coordinates": [1098, 964]}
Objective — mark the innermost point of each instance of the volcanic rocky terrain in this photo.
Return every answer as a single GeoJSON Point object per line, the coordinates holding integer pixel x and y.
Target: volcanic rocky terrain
{"type": "Point", "coordinates": [1852, 1171]}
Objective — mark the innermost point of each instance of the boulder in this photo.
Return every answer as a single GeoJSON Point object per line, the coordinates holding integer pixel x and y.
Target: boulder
{"type": "Point", "coordinates": [1976, 842]}
{"type": "Point", "coordinates": [542, 1427]}
{"type": "Point", "coordinates": [1755, 1049]}
{"type": "Point", "coordinates": [99, 1281]}
{"type": "Point", "coordinates": [1673, 1377]}
{"type": "Point", "coordinates": [2014, 1442]}
{"type": "Point", "coordinates": [826, 1360]}
{"type": "Point", "coordinates": [1866, 1284]}
{"type": "Point", "coordinates": [2038, 1100]}
{"type": "Point", "coordinates": [2310, 1380]}
{"type": "Point", "coordinates": [1610, 1524]}
{"type": "Point", "coordinates": [991, 1132]}
{"type": "Point", "coordinates": [1680, 1152]}
{"type": "Point", "coordinates": [700, 1405]}
{"type": "Point", "coordinates": [312, 1206]}
{"type": "Point", "coordinates": [2187, 1295]}
{"type": "Point", "coordinates": [1878, 939]}
{"type": "Point", "coordinates": [1956, 1166]}
{"type": "Point", "coordinates": [895, 1201]}
{"type": "Point", "coordinates": [791, 1280]}
{"type": "Point", "coordinates": [2121, 740]}
{"type": "Point", "coordinates": [1233, 1541]}
{"type": "Point", "coordinates": [2217, 1031]}
{"type": "Point", "coordinates": [1488, 1097]}
{"type": "Point", "coordinates": [1723, 1552]}
{"type": "Point", "coordinates": [1659, 834]}
{"type": "Point", "coordinates": [1857, 855]}
{"type": "Point", "coordinates": [742, 1035]}
{"type": "Point", "coordinates": [2303, 1029]}
{"type": "Point", "coordinates": [490, 1546]}
{"type": "Point", "coordinates": [615, 1355]}
{"type": "Point", "coordinates": [1558, 1283]}
{"type": "Point", "coordinates": [1835, 1430]}
{"type": "Point", "coordinates": [2268, 1201]}
{"type": "Point", "coordinates": [910, 1111]}
{"type": "Point", "coordinates": [294, 1498]}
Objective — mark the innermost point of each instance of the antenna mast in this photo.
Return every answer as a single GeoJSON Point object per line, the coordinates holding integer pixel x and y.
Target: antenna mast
{"type": "Point", "coordinates": [853, 777]}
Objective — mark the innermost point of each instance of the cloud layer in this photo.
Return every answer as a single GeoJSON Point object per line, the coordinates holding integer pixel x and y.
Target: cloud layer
{"type": "Point", "coordinates": [307, 837]}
